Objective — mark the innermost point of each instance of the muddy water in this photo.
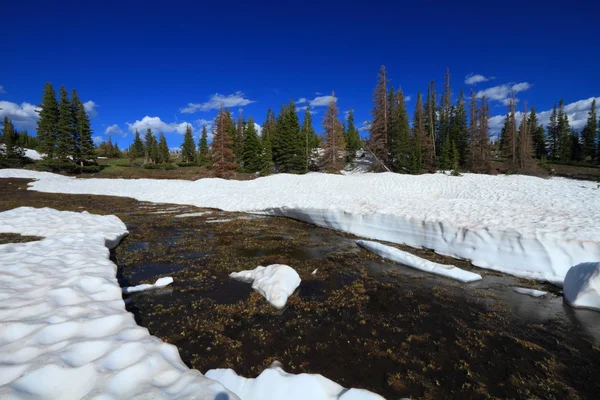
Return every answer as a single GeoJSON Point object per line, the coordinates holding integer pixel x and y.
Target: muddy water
{"type": "Point", "coordinates": [360, 321]}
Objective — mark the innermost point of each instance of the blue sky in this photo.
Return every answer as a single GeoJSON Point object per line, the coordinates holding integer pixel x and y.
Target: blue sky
{"type": "Point", "coordinates": [140, 65]}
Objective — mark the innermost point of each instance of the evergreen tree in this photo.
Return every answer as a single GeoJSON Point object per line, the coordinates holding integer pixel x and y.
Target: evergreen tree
{"type": "Point", "coordinates": [309, 137]}
{"type": "Point", "coordinates": [222, 144]}
{"type": "Point", "coordinates": [65, 142]}
{"type": "Point", "coordinates": [511, 149]}
{"type": "Point", "coordinates": [553, 133]}
{"type": "Point", "coordinates": [154, 152]}
{"type": "Point", "coordinates": [188, 148]}
{"type": "Point", "coordinates": [444, 141]}
{"type": "Point", "coordinates": [399, 140]}
{"type": "Point", "coordinates": [428, 147]}
{"type": "Point", "coordinates": [138, 146]}
{"type": "Point", "coordinates": [379, 126]}
{"type": "Point", "coordinates": [418, 135]}
{"type": "Point", "coordinates": [563, 133]}
{"type": "Point", "coordinates": [47, 125]}
{"type": "Point", "coordinates": [82, 133]}
{"type": "Point", "coordinates": [288, 146]}
{"type": "Point", "coordinates": [203, 144]}
{"type": "Point", "coordinates": [268, 129]}
{"type": "Point", "coordinates": [252, 155]}
{"type": "Point", "coordinates": [10, 153]}
{"type": "Point", "coordinates": [536, 132]}
{"type": "Point", "coordinates": [238, 140]}
{"type": "Point", "coordinates": [526, 151]}
{"type": "Point", "coordinates": [461, 131]}
{"type": "Point", "coordinates": [163, 149]}
{"type": "Point", "coordinates": [334, 146]}
{"type": "Point", "coordinates": [503, 139]}
{"type": "Point", "coordinates": [475, 162]}
{"type": "Point", "coordinates": [588, 135]}
{"type": "Point", "coordinates": [483, 142]}
{"type": "Point", "coordinates": [576, 146]}
{"type": "Point", "coordinates": [149, 141]}
{"type": "Point", "coordinates": [267, 156]}
{"type": "Point", "coordinates": [353, 142]}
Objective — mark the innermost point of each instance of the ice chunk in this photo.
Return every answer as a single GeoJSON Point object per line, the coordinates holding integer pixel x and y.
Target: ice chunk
{"type": "Point", "coordinates": [276, 384]}
{"type": "Point", "coordinates": [582, 286]}
{"type": "Point", "coordinates": [410, 260]}
{"type": "Point", "coordinates": [274, 282]}
{"type": "Point", "coordinates": [530, 292]}
{"type": "Point", "coordinates": [160, 282]}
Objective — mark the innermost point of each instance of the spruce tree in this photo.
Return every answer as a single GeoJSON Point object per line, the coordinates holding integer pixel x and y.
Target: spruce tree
{"type": "Point", "coordinates": [563, 133]}
{"type": "Point", "coordinates": [461, 130]}
{"type": "Point", "coordinates": [188, 148]}
{"type": "Point", "coordinates": [222, 144]}
{"type": "Point", "coordinates": [309, 137]}
{"type": "Point", "coordinates": [353, 143]}
{"type": "Point", "coordinates": [379, 126]}
{"type": "Point", "coordinates": [418, 135]}
{"type": "Point", "coordinates": [267, 156]}
{"type": "Point", "coordinates": [149, 140]}
{"type": "Point", "coordinates": [428, 147]}
{"type": "Point", "coordinates": [334, 146]}
{"type": "Point", "coordinates": [576, 147]}
{"type": "Point", "coordinates": [536, 132]}
{"type": "Point", "coordinates": [65, 140]}
{"type": "Point", "coordinates": [474, 161]}
{"type": "Point", "coordinates": [525, 144]}
{"type": "Point", "coordinates": [588, 135]}
{"type": "Point", "coordinates": [252, 154]}
{"type": "Point", "coordinates": [512, 136]}
{"type": "Point", "coordinates": [163, 149]}
{"type": "Point", "coordinates": [203, 144]}
{"type": "Point", "coordinates": [444, 141]}
{"type": "Point", "coordinates": [238, 140]}
{"type": "Point", "coordinates": [288, 146]}
{"type": "Point", "coordinates": [483, 142]}
{"type": "Point", "coordinates": [47, 125]}
{"type": "Point", "coordinates": [154, 152]}
{"type": "Point", "coordinates": [399, 139]}
{"type": "Point", "coordinates": [268, 129]}
{"type": "Point", "coordinates": [553, 133]}
{"type": "Point", "coordinates": [82, 134]}
{"type": "Point", "coordinates": [10, 153]}
{"type": "Point", "coordinates": [138, 146]}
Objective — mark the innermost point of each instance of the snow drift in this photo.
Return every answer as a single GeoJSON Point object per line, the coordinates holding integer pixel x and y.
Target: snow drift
{"type": "Point", "coordinates": [410, 260]}
{"type": "Point", "coordinates": [525, 226]}
{"type": "Point", "coordinates": [582, 286]}
{"type": "Point", "coordinates": [274, 282]}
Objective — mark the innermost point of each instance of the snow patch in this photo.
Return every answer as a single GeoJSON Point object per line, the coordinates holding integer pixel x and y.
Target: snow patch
{"type": "Point", "coordinates": [410, 260]}
{"type": "Point", "coordinates": [530, 292]}
{"type": "Point", "coordinates": [196, 214]}
{"type": "Point", "coordinates": [582, 286]}
{"type": "Point", "coordinates": [275, 282]}
{"type": "Point", "coordinates": [32, 154]}
{"type": "Point", "coordinates": [160, 283]}
{"type": "Point", "coordinates": [276, 384]}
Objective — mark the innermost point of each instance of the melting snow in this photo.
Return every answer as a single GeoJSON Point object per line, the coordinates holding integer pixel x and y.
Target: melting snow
{"type": "Point", "coordinates": [160, 283]}
{"type": "Point", "coordinates": [530, 292]}
{"type": "Point", "coordinates": [275, 282]}
{"type": "Point", "coordinates": [582, 286]}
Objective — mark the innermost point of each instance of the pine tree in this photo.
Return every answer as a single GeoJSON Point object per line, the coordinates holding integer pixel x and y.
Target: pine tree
{"type": "Point", "coordinates": [536, 132]}
{"type": "Point", "coordinates": [149, 141]}
{"type": "Point", "coordinates": [418, 135]}
{"type": "Point", "coordinates": [252, 154]}
{"type": "Point", "coordinates": [503, 139]}
{"type": "Point", "coordinates": [65, 142]}
{"type": "Point", "coordinates": [222, 144]}
{"type": "Point", "coordinates": [511, 149]}
{"type": "Point", "coordinates": [526, 151]}
{"type": "Point", "coordinates": [379, 126]}
{"type": "Point", "coordinates": [553, 133]}
{"type": "Point", "coordinates": [353, 143]}
{"type": "Point", "coordinates": [475, 161]}
{"type": "Point", "coordinates": [82, 134]}
{"type": "Point", "coordinates": [138, 146]}
{"type": "Point", "coordinates": [309, 137]}
{"type": "Point", "coordinates": [399, 140]}
{"type": "Point", "coordinates": [288, 146]}
{"type": "Point", "coordinates": [47, 125]}
{"type": "Point", "coordinates": [563, 133]}
{"type": "Point", "coordinates": [461, 131]}
{"type": "Point", "coordinates": [10, 153]}
{"type": "Point", "coordinates": [444, 141]}
{"type": "Point", "coordinates": [267, 156]}
{"type": "Point", "coordinates": [588, 135]}
{"type": "Point", "coordinates": [576, 146]}
{"type": "Point", "coordinates": [268, 129]}
{"type": "Point", "coordinates": [154, 152]}
{"type": "Point", "coordinates": [203, 144]}
{"type": "Point", "coordinates": [483, 142]}
{"type": "Point", "coordinates": [163, 149]}
{"type": "Point", "coordinates": [334, 146]}
{"type": "Point", "coordinates": [428, 147]}
{"type": "Point", "coordinates": [238, 140]}
{"type": "Point", "coordinates": [188, 148]}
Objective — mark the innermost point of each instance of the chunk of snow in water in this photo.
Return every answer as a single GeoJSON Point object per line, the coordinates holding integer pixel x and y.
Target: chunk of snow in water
{"type": "Point", "coordinates": [582, 286]}
{"type": "Point", "coordinates": [218, 220]}
{"type": "Point", "coordinates": [64, 330]}
{"type": "Point", "coordinates": [410, 260]}
{"type": "Point", "coordinates": [160, 282]}
{"type": "Point", "coordinates": [530, 292]}
{"type": "Point", "coordinates": [276, 384]}
{"type": "Point", "coordinates": [196, 214]}
{"type": "Point", "coordinates": [525, 226]}
{"type": "Point", "coordinates": [314, 272]}
{"type": "Point", "coordinates": [274, 282]}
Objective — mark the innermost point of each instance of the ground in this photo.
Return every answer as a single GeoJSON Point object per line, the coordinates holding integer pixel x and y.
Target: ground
{"type": "Point", "coordinates": [360, 321]}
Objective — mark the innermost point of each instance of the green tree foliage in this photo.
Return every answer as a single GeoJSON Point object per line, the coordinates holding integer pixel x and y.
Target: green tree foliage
{"type": "Point", "coordinates": [399, 134]}
{"type": "Point", "coordinates": [418, 135]}
{"type": "Point", "coordinates": [353, 142]}
{"type": "Point", "coordinates": [10, 153]}
{"type": "Point", "coordinates": [82, 134]}
{"type": "Point", "coordinates": [203, 144]}
{"type": "Point", "coordinates": [149, 141]}
{"type": "Point", "coordinates": [65, 141]}
{"type": "Point", "coordinates": [47, 125]}
{"type": "Point", "coordinates": [588, 134]}
{"type": "Point", "coordinates": [288, 149]}
{"type": "Point", "coordinates": [428, 147]}
{"type": "Point", "coordinates": [252, 155]}
{"type": "Point", "coordinates": [381, 120]}
{"type": "Point", "coordinates": [309, 137]}
{"type": "Point", "coordinates": [222, 144]}
{"type": "Point", "coordinates": [538, 137]}
{"type": "Point", "coordinates": [238, 139]}
{"type": "Point", "coordinates": [460, 130]}
{"type": "Point", "coordinates": [334, 146]}
{"type": "Point", "coordinates": [267, 156]}
{"type": "Point", "coordinates": [138, 146]}
{"type": "Point", "coordinates": [188, 148]}
{"type": "Point", "coordinates": [553, 133]}
{"type": "Point", "coordinates": [565, 143]}
{"type": "Point", "coordinates": [163, 150]}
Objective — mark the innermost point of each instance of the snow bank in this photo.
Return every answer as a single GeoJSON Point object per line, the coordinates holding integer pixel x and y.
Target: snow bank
{"type": "Point", "coordinates": [276, 384]}
{"type": "Point", "coordinates": [525, 226]}
{"type": "Point", "coordinates": [64, 330]}
{"type": "Point", "coordinates": [275, 282]}
{"type": "Point", "coordinates": [582, 286]}
{"type": "Point", "coordinates": [160, 283]}
{"type": "Point", "coordinates": [530, 292]}
{"type": "Point", "coordinates": [410, 260]}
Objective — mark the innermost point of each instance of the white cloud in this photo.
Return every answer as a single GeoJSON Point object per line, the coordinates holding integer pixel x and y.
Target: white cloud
{"type": "Point", "coordinates": [209, 128]}
{"type": "Point", "coordinates": [97, 139]}
{"type": "Point", "coordinates": [258, 129]}
{"type": "Point", "coordinates": [157, 126]}
{"type": "Point", "coordinates": [318, 93]}
{"type": "Point", "coordinates": [366, 126]}
{"type": "Point", "coordinates": [23, 116]}
{"type": "Point", "coordinates": [501, 93]}
{"type": "Point", "coordinates": [407, 98]}
{"type": "Point", "coordinates": [90, 108]}
{"type": "Point", "coordinates": [301, 100]}
{"type": "Point", "coordinates": [115, 130]}
{"type": "Point", "coordinates": [2, 91]}
{"type": "Point", "coordinates": [216, 100]}
{"type": "Point", "coordinates": [322, 101]}
{"type": "Point", "coordinates": [474, 79]}
{"type": "Point", "coordinates": [577, 112]}
{"type": "Point", "coordinates": [303, 108]}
